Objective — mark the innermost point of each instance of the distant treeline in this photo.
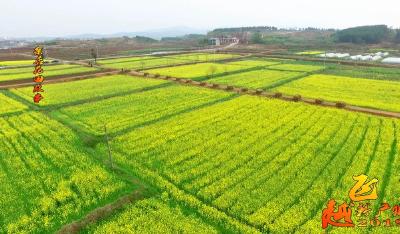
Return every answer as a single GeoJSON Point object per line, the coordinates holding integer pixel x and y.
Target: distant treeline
{"type": "Point", "coordinates": [263, 29]}
{"type": "Point", "coordinates": [368, 34]}
{"type": "Point", "coordinates": [244, 29]}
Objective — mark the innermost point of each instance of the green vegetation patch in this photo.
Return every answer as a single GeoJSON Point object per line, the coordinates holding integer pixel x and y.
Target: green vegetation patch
{"type": "Point", "coordinates": [47, 179]}
{"type": "Point", "coordinates": [262, 156]}
{"type": "Point", "coordinates": [8, 105]}
{"type": "Point", "coordinates": [310, 52]}
{"type": "Point", "coordinates": [202, 57]}
{"type": "Point", "coordinates": [200, 70]}
{"type": "Point", "coordinates": [90, 89]}
{"type": "Point", "coordinates": [257, 79]}
{"type": "Point", "coordinates": [378, 94]}
{"type": "Point", "coordinates": [49, 71]}
{"type": "Point", "coordinates": [151, 216]}
{"type": "Point", "coordinates": [138, 108]}
{"type": "Point", "coordinates": [297, 67]}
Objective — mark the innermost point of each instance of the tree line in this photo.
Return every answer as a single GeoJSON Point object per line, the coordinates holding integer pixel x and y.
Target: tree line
{"type": "Point", "coordinates": [368, 34]}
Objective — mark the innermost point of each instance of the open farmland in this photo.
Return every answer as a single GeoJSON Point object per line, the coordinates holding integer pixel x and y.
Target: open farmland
{"type": "Point", "coordinates": [105, 61]}
{"type": "Point", "coordinates": [153, 215]}
{"type": "Point", "coordinates": [201, 57]}
{"type": "Point", "coordinates": [379, 94]}
{"type": "Point", "coordinates": [297, 67]}
{"type": "Point", "coordinates": [304, 154]}
{"type": "Point", "coordinates": [256, 62]}
{"type": "Point", "coordinates": [49, 71]}
{"type": "Point", "coordinates": [136, 108]}
{"type": "Point", "coordinates": [199, 70]}
{"type": "Point", "coordinates": [214, 161]}
{"type": "Point", "coordinates": [15, 63]}
{"type": "Point", "coordinates": [90, 90]}
{"type": "Point", "coordinates": [142, 63]}
{"type": "Point", "coordinates": [47, 178]}
{"type": "Point", "coordinates": [257, 79]}
{"type": "Point", "coordinates": [145, 62]}
{"type": "Point", "coordinates": [376, 73]}
{"type": "Point", "coordinates": [8, 105]}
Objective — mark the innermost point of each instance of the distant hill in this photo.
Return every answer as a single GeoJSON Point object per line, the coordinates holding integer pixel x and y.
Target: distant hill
{"type": "Point", "coordinates": [155, 34]}
{"type": "Point", "coordinates": [364, 34]}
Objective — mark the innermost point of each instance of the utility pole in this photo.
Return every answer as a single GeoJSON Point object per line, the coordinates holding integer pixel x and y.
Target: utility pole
{"type": "Point", "coordinates": [108, 146]}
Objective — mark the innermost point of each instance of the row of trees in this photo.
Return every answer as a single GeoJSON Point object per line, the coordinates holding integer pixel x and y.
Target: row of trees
{"type": "Point", "coordinates": [397, 38]}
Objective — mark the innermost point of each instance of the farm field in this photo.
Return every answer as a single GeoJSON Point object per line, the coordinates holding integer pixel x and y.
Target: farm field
{"type": "Point", "coordinates": [310, 52]}
{"type": "Point", "coordinates": [123, 60]}
{"type": "Point", "coordinates": [143, 63]}
{"type": "Point", "coordinates": [297, 67]}
{"type": "Point", "coordinates": [8, 105]}
{"type": "Point", "coordinates": [154, 61]}
{"type": "Point", "coordinates": [201, 57]}
{"type": "Point", "coordinates": [376, 73]}
{"type": "Point", "coordinates": [49, 71]}
{"type": "Point", "coordinates": [46, 177]}
{"type": "Point", "coordinates": [264, 78]}
{"type": "Point", "coordinates": [310, 151]}
{"type": "Point", "coordinates": [151, 216]}
{"type": "Point", "coordinates": [87, 90]}
{"type": "Point", "coordinates": [379, 94]}
{"type": "Point", "coordinates": [138, 109]}
{"type": "Point", "coordinates": [198, 71]}
{"type": "Point", "coordinates": [216, 161]}
{"type": "Point", "coordinates": [16, 63]}
{"type": "Point", "coordinates": [256, 62]}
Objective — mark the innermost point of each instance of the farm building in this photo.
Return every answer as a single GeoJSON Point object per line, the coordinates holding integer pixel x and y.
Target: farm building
{"type": "Point", "coordinates": [222, 40]}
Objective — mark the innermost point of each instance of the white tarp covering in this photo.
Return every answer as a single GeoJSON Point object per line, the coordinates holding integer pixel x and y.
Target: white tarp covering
{"type": "Point", "coordinates": [391, 60]}
{"type": "Point", "coordinates": [335, 55]}
{"type": "Point", "coordinates": [366, 57]}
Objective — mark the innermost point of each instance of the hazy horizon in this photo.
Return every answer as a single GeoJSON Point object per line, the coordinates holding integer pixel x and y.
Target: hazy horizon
{"type": "Point", "coordinates": [23, 18]}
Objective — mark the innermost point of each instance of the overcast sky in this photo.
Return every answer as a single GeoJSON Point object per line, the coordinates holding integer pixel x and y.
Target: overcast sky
{"type": "Point", "coordinates": [31, 18]}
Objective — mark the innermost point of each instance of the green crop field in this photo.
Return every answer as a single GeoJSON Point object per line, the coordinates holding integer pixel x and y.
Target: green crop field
{"type": "Point", "coordinates": [46, 177]}
{"type": "Point", "coordinates": [123, 60]}
{"type": "Point", "coordinates": [201, 57]}
{"type": "Point", "coordinates": [144, 63]}
{"type": "Point", "coordinates": [197, 71]}
{"type": "Point", "coordinates": [85, 90]}
{"type": "Point", "coordinates": [151, 216]}
{"type": "Point", "coordinates": [49, 71]}
{"type": "Point", "coordinates": [8, 105]}
{"type": "Point", "coordinates": [310, 52]}
{"type": "Point", "coordinates": [259, 172]}
{"type": "Point", "coordinates": [257, 79]}
{"type": "Point", "coordinates": [199, 160]}
{"type": "Point", "coordinates": [16, 63]}
{"type": "Point", "coordinates": [297, 67]}
{"type": "Point", "coordinates": [377, 73]}
{"type": "Point", "coordinates": [138, 108]}
{"type": "Point", "coordinates": [380, 94]}
{"type": "Point", "coordinates": [255, 62]}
